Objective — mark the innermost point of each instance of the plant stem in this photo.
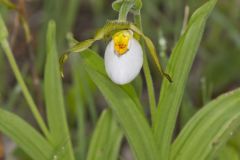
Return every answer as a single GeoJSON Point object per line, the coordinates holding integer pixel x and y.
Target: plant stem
{"type": "Point", "coordinates": [125, 8]}
{"type": "Point", "coordinates": [147, 73]}
{"type": "Point", "coordinates": [26, 93]}
{"type": "Point", "coordinates": [123, 12]}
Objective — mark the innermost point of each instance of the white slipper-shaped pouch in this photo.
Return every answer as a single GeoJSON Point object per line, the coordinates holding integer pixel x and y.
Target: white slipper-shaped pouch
{"type": "Point", "coordinates": [123, 58]}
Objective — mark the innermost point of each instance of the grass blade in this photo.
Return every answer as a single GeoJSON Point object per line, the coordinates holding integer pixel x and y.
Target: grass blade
{"type": "Point", "coordinates": [179, 66]}
{"type": "Point", "coordinates": [54, 98]}
{"type": "Point", "coordinates": [25, 136]}
{"type": "Point", "coordinates": [209, 129]}
{"type": "Point", "coordinates": [106, 140]}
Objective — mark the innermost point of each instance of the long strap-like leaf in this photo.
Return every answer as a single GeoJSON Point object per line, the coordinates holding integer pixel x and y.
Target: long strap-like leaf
{"type": "Point", "coordinates": [32, 142]}
{"type": "Point", "coordinates": [106, 139]}
{"type": "Point", "coordinates": [126, 110]}
{"type": "Point", "coordinates": [56, 114]}
{"type": "Point", "coordinates": [208, 129]}
{"type": "Point", "coordinates": [179, 67]}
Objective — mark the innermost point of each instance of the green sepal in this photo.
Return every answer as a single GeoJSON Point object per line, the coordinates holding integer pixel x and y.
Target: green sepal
{"type": "Point", "coordinates": [116, 5]}
{"type": "Point", "coordinates": [107, 30]}
{"type": "Point", "coordinates": [137, 5]}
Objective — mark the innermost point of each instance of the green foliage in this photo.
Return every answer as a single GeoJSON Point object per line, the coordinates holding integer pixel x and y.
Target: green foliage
{"type": "Point", "coordinates": [16, 71]}
{"type": "Point", "coordinates": [129, 115]}
{"type": "Point", "coordinates": [136, 4]}
{"type": "Point", "coordinates": [228, 152]}
{"type": "Point", "coordinates": [208, 129]}
{"type": "Point", "coordinates": [56, 114]}
{"type": "Point", "coordinates": [32, 142]}
{"type": "Point", "coordinates": [58, 141]}
{"type": "Point", "coordinates": [106, 139]}
{"type": "Point", "coordinates": [84, 103]}
{"type": "Point", "coordinates": [204, 137]}
{"type": "Point", "coordinates": [179, 67]}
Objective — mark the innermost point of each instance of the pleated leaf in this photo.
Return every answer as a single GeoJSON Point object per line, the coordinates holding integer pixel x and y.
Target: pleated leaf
{"type": "Point", "coordinates": [209, 129]}
{"type": "Point", "coordinates": [228, 152]}
{"type": "Point", "coordinates": [106, 139]}
{"type": "Point", "coordinates": [56, 115]}
{"type": "Point", "coordinates": [178, 67]}
{"type": "Point", "coordinates": [128, 114]}
{"type": "Point", "coordinates": [32, 142]}
{"type": "Point", "coordinates": [96, 62]}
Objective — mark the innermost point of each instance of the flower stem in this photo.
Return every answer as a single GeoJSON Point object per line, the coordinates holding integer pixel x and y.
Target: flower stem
{"type": "Point", "coordinates": [123, 12]}
{"type": "Point", "coordinates": [26, 93]}
{"type": "Point", "coordinates": [125, 8]}
{"type": "Point", "coordinates": [147, 73]}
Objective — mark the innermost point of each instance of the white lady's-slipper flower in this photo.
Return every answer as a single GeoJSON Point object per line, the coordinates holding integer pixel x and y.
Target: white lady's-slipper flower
{"type": "Point", "coordinates": [123, 57]}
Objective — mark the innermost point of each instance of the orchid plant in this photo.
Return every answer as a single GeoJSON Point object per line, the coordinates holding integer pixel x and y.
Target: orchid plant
{"type": "Point", "coordinates": [200, 139]}
{"type": "Point", "coordinates": [123, 55]}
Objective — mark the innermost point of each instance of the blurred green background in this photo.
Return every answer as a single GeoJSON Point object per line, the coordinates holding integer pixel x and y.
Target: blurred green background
{"type": "Point", "coordinates": [215, 70]}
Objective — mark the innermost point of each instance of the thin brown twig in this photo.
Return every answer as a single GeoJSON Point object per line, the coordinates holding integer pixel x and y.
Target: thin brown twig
{"type": "Point", "coordinates": [34, 72]}
{"type": "Point", "coordinates": [15, 30]}
{"type": "Point", "coordinates": [23, 19]}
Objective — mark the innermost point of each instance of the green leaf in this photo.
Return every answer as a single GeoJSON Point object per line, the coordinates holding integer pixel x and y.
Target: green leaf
{"type": "Point", "coordinates": [179, 66]}
{"type": "Point", "coordinates": [209, 129]}
{"type": "Point", "coordinates": [235, 140]}
{"type": "Point", "coordinates": [96, 62]}
{"type": "Point", "coordinates": [3, 30]}
{"type": "Point", "coordinates": [79, 77]}
{"type": "Point", "coordinates": [228, 153]}
{"type": "Point", "coordinates": [130, 117]}
{"type": "Point", "coordinates": [8, 52]}
{"type": "Point", "coordinates": [56, 115]}
{"type": "Point", "coordinates": [106, 139]}
{"type": "Point", "coordinates": [25, 136]}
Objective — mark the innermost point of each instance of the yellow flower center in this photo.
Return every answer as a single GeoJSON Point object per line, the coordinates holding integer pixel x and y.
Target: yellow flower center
{"type": "Point", "coordinates": [121, 41]}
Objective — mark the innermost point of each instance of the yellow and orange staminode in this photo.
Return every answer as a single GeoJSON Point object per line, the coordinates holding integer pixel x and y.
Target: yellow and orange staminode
{"type": "Point", "coordinates": [121, 41]}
